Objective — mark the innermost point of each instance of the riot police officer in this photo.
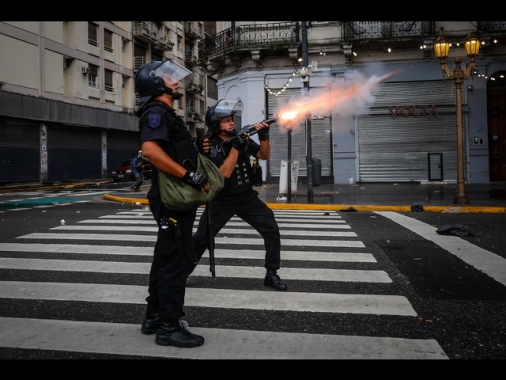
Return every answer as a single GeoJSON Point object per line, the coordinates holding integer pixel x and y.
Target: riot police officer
{"type": "Point", "coordinates": [231, 152]}
{"type": "Point", "coordinates": [167, 144]}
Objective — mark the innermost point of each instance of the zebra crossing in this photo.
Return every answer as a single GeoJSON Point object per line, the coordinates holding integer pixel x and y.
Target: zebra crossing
{"type": "Point", "coordinates": [314, 244]}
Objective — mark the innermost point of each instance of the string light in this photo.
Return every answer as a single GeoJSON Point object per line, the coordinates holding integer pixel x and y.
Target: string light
{"type": "Point", "coordinates": [287, 84]}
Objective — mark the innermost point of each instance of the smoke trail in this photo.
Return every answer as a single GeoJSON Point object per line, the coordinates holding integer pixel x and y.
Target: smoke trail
{"type": "Point", "coordinates": [343, 96]}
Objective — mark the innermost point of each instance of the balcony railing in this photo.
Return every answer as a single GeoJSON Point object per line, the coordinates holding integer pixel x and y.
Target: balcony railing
{"type": "Point", "coordinates": [163, 39]}
{"type": "Point", "coordinates": [491, 27]}
{"type": "Point", "coordinates": [385, 30]}
{"type": "Point", "coordinates": [190, 58]}
{"type": "Point", "coordinates": [245, 37]}
{"type": "Point", "coordinates": [194, 114]}
{"type": "Point", "coordinates": [192, 29]}
{"type": "Point", "coordinates": [145, 30]}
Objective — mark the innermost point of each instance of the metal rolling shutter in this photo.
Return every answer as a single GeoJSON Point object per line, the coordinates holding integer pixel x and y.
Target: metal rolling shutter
{"type": "Point", "coordinates": [397, 149]}
{"type": "Point", "coordinates": [74, 152]}
{"type": "Point", "coordinates": [19, 150]}
{"type": "Point", "coordinates": [321, 139]}
{"type": "Point", "coordinates": [121, 146]}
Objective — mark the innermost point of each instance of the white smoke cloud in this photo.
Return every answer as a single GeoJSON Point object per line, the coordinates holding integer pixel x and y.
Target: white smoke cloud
{"type": "Point", "coordinates": [344, 96]}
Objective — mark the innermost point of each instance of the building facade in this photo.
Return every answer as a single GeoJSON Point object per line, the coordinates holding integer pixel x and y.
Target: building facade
{"type": "Point", "coordinates": [377, 105]}
{"type": "Point", "coordinates": [67, 93]}
{"type": "Point", "coordinates": [399, 122]}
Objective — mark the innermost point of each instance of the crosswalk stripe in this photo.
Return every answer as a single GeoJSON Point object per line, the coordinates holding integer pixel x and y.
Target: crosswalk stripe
{"type": "Point", "coordinates": [225, 240]}
{"type": "Point", "coordinates": [148, 251]}
{"type": "Point", "coordinates": [317, 225]}
{"type": "Point", "coordinates": [279, 218]}
{"type": "Point", "coordinates": [249, 231]}
{"type": "Point", "coordinates": [126, 339]}
{"type": "Point", "coordinates": [216, 298]}
{"type": "Point", "coordinates": [313, 274]}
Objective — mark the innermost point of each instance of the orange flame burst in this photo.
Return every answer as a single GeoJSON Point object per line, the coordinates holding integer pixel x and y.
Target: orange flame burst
{"type": "Point", "coordinates": [343, 98]}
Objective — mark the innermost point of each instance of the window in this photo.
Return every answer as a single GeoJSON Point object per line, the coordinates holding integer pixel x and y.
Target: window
{"type": "Point", "coordinates": [92, 34]}
{"type": "Point", "coordinates": [212, 88]}
{"type": "Point", "coordinates": [108, 86]}
{"type": "Point", "coordinates": [189, 103]}
{"type": "Point", "coordinates": [108, 41]}
{"type": "Point", "coordinates": [93, 78]}
{"type": "Point", "coordinates": [140, 56]}
{"type": "Point", "coordinates": [179, 46]}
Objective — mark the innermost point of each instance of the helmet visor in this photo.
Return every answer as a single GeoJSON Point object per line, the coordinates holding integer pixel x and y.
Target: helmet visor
{"type": "Point", "coordinates": [225, 108]}
{"type": "Point", "coordinates": [172, 72]}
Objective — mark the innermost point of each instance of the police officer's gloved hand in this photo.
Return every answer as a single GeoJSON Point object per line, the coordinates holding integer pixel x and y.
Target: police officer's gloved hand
{"type": "Point", "coordinates": [263, 134]}
{"type": "Point", "coordinates": [195, 179]}
{"type": "Point", "coordinates": [239, 141]}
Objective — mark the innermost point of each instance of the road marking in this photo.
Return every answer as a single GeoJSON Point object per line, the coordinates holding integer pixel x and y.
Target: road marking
{"type": "Point", "coordinates": [219, 240]}
{"type": "Point", "coordinates": [309, 274]}
{"type": "Point", "coordinates": [215, 298]}
{"type": "Point", "coordinates": [481, 259]}
{"type": "Point", "coordinates": [223, 231]}
{"type": "Point", "coordinates": [148, 251]}
{"type": "Point", "coordinates": [126, 339]}
{"type": "Point", "coordinates": [312, 225]}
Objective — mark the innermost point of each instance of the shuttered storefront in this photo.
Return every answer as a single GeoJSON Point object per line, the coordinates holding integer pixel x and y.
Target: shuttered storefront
{"type": "Point", "coordinates": [121, 145]}
{"type": "Point", "coordinates": [19, 150]}
{"type": "Point", "coordinates": [321, 140]}
{"type": "Point", "coordinates": [73, 152]}
{"type": "Point", "coordinates": [406, 132]}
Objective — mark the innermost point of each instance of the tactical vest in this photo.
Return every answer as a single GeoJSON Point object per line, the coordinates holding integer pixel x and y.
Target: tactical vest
{"type": "Point", "coordinates": [241, 179]}
{"type": "Point", "coordinates": [182, 147]}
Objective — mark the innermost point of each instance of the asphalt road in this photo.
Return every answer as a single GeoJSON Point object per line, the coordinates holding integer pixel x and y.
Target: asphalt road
{"type": "Point", "coordinates": [362, 285]}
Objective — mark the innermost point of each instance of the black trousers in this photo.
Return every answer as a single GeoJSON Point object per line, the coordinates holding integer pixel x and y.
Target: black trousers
{"type": "Point", "coordinates": [254, 212]}
{"type": "Point", "coordinates": [172, 262]}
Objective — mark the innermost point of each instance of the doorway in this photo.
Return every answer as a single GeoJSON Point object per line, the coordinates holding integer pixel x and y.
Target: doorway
{"type": "Point", "coordinates": [496, 108]}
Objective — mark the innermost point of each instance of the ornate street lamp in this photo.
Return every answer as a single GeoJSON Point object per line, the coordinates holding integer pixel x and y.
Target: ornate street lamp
{"type": "Point", "coordinates": [442, 48]}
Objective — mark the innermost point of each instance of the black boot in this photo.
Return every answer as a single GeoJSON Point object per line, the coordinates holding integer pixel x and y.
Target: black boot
{"type": "Point", "coordinates": [272, 279]}
{"type": "Point", "coordinates": [172, 334]}
{"type": "Point", "coordinates": [150, 325]}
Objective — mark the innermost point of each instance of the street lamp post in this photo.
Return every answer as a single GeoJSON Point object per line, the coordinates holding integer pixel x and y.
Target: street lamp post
{"type": "Point", "coordinates": [289, 183]}
{"type": "Point", "coordinates": [442, 48]}
{"type": "Point", "coordinates": [309, 150]}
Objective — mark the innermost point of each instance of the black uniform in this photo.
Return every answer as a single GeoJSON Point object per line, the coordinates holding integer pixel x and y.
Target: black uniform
{"type": "Point", "coordinates": [172, 262]}
{"type": "Point", "coordinates": [239, 198]}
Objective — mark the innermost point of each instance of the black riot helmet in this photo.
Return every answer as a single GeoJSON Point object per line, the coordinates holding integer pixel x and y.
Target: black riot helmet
{"type": "Point", "coordinates": [224, 108]}
{"type": "Point", "coordinates": [152, 79]}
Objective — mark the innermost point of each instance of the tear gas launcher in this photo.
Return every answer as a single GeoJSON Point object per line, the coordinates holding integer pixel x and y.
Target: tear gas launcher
{"type": "Point", "coordinates": [251, 127]}
{"type": "Point", "coordinates": [247, 130]}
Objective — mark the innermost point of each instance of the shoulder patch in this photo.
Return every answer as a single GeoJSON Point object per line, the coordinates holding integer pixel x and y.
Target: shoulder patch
{"type": "Point", "coordinates": [154, 120]}
{"type": "Point", "coordinates": [213, 152]}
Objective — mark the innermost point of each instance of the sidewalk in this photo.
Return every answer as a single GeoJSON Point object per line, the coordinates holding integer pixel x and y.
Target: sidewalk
{"type": "Point", "coordinates": [436, 197]}
{"type": "Point", "coordinates": [370, 197]}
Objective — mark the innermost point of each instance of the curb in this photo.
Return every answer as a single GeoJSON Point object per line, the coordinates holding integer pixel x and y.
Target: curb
{"type": "Point", "coordinates": [15, 189]}
{"type": "Point", "coordinates": [346, 208]}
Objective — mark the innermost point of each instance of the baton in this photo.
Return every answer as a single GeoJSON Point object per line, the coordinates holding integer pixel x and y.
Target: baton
{"type": "Point", "coordinates": [210, 238]}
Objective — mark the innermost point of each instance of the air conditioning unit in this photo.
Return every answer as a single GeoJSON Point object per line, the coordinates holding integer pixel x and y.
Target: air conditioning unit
{"type": "Point", "coordinates": [85, 70]}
